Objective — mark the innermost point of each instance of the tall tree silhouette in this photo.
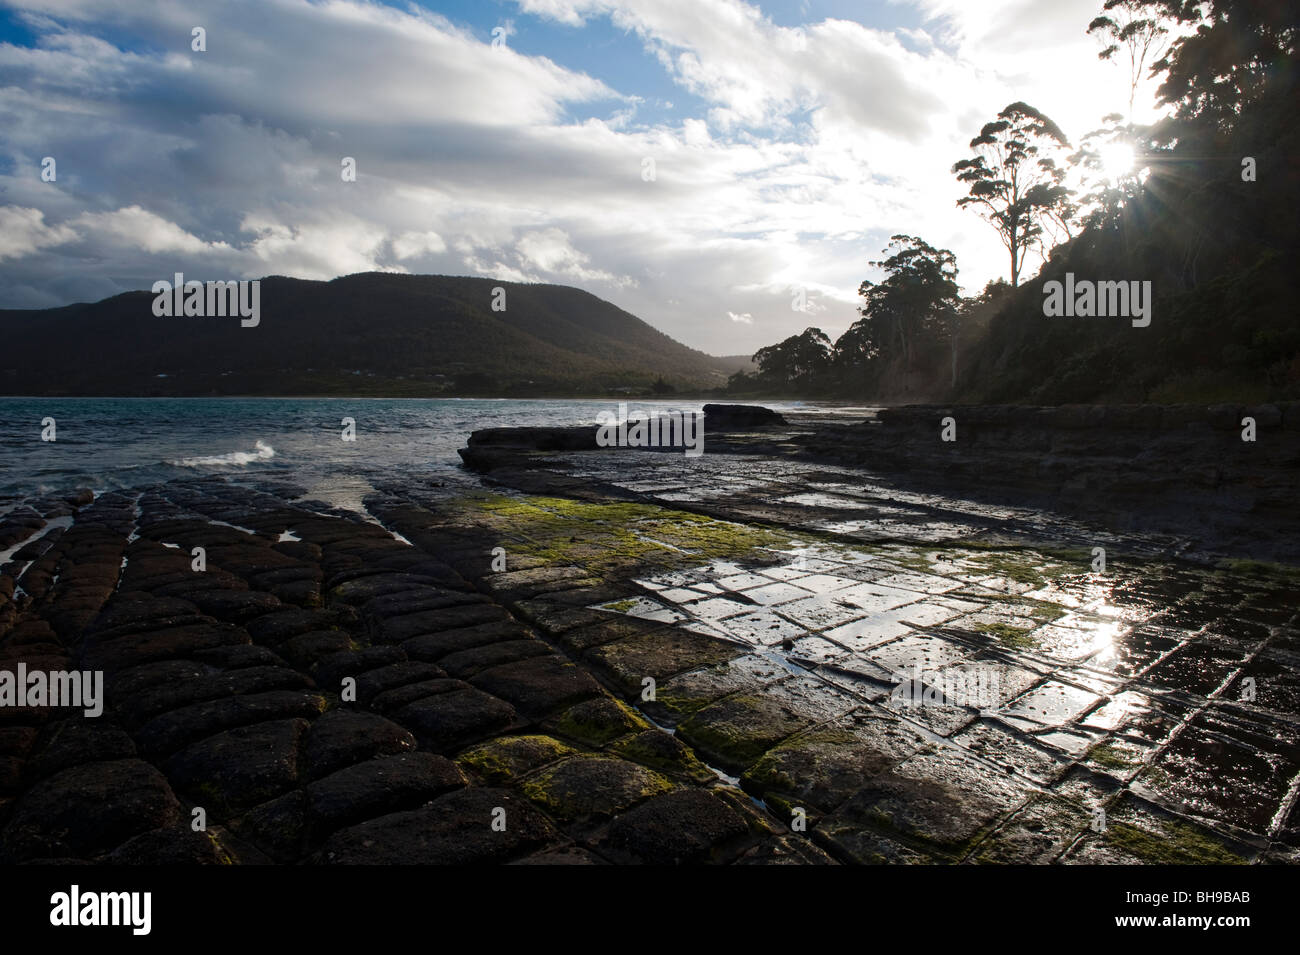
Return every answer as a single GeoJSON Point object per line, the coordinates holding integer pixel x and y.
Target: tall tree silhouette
{"type": "Point", "coordinates": [916, 302]}
{"type": "Point", "coordinates": [1139, 28]}
{"type": "Point", "coordinates": [1014, 181]}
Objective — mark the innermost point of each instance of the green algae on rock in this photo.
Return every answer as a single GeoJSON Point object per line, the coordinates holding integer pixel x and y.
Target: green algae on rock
{"type": "Point", "coordinates": [595, 786]}
{"type": "Point", "coordinates": [596, 722]}
{"type": "Point", "coordinates": [737, 730]}
{"type": "Point", "coordinates": [1178, 843]}
{"type": "Point", "coordinates": [1113, 756]}
{"type": "Point", "coordinates": [659, 750]}
{"type": "Point", "coordinates": [607, 537]}
{"type": "Point", "coordinates": [1017, 638]}
{"type": "Point", "coordinates": [507, 758]}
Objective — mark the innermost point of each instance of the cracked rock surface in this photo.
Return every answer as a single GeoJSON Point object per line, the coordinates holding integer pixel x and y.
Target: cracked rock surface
{"type": "Point", "coordinates": [733, 659]}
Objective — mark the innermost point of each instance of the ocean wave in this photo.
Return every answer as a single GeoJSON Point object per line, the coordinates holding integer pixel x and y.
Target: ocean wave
{"type": "Point", "coordinates": [262, 452]}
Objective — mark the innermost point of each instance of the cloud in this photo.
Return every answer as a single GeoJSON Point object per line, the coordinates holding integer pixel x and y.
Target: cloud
{"type": "Point", "coordinates": [339, 245]}
{"type": "Point", "coordinates": [23, 231]}
{"type": "Point", "coordinates": [137, 228]}
{"type": "Point", "coordinates": [792, 155]}
{"type": "Point", "coordinates": [756, 72]}
{"type": "Point", "coordinates": [561, 11]}
{"type": "Point", "coordinates": [552, 253]}
{"type": "Point", "coordinates": [408, 245]}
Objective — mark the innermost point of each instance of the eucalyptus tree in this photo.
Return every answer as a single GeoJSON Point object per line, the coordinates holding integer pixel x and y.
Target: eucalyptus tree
{"type": "Point", "coordinates": [912, 307]}
{"type": "Point", "coordinates": [1140, 31]}
{"type": "Point", "coordinates": [800, 360]}
{"type": "Point", "coordinates": [1013, 180]}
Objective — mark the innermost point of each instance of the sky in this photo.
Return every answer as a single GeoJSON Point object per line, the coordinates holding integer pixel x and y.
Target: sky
{"type": "Point", "coordinates": [725, 170]}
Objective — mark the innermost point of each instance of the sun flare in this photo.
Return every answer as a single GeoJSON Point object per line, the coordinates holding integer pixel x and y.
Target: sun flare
{"type": "Point", "coordinates": [1117, 160]}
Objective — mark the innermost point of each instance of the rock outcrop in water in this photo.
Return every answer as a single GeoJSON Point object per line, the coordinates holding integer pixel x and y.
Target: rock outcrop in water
{"type": "Point", "coordinates": [491, 448]}
{"type": "Point", "coordinates": [739, 417]}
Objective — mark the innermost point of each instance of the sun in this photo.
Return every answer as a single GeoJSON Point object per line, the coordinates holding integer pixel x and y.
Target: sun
{"type": "Point", "coordinates": [1117, 160]}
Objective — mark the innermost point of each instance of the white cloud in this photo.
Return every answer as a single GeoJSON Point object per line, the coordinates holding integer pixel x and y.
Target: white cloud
{"type": "Point", "coordinates": [805, 149]}
{"type": "Point", "coordinates": [408, 245]}
{"type": "Point", "coordinates": [23, 231]}
{"type": "Point", "coordinates": [551, 252]}
{"type": "Point", "coordinates": [318, 250]}
{"type": "Point", "coordinates": [562, 11]}
{"type": "Point", "coordinates": [140, 229]}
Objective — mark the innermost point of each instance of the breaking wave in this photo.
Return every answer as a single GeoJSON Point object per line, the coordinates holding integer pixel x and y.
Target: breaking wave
{"type": "Point", "coordinates": [261, 452]}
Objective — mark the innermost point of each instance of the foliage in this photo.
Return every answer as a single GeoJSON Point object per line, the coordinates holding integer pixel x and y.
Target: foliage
{"type": "Point", "coordinates": [798, 361]}
{"type": "Point", "coordinates": [905, 314]}
{"type": "Point", "coordinates": [1014, 181]}
{"type": "Point", "coordinates": [1139, 29]}
{"type": "Point", "coordinates": [1206, 215]}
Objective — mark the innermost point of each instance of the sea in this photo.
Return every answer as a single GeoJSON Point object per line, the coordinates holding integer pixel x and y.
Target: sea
{"type": "Point", "coordinates": [121, 443]}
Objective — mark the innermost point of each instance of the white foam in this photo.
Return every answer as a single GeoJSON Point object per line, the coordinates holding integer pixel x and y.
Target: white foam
{"type": "Point", "coordinates": [213, 520]}
{"type": "Point", "coordinates": [262, 452]}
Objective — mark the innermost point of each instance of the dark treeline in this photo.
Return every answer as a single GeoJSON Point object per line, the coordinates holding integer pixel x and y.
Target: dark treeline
{"type": "Point", "coordinates": [1206, 211]}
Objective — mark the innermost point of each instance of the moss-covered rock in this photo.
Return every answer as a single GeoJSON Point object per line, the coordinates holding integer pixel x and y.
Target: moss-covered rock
{"type": "Point", "coordinates": [1115, 756]}
{"type": "Point", "coordinates": [599, 786]}
{"type": "Point", "coordinates": [1177, 843]}
{"type": "Point", "coordinates": [505, 759]}
{"type": "Point", "coordinates": [734, 732]}
{"type": "Point", "coordinates": [659, 750]}
{"type": "Point", "coordinates": [658, 655]}
{"type": "Point", "coordinates": [816, 771]}
{"type": "Point", "coordinates": [1014, 638]}
{"type": "Point", "coordinates": [595, 722]}
{"type": "Point", "coordinates": [609, 536]}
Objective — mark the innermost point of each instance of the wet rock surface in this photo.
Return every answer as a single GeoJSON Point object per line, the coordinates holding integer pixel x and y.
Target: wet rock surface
{"type": "Point", "coordinates": [1182, 471]}
{"type": "Point", "coordinates": [738, 417]}
{"type": "Point", "coordinates": [599, 657]}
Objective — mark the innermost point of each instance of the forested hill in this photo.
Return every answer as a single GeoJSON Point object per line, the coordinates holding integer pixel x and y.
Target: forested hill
{"type": "Point", "coordinates": [1215, 231]}
{"type": "Point", "coordinates": [371, 333]}
{"type": "Point", "coordinates": [1196, 212]}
